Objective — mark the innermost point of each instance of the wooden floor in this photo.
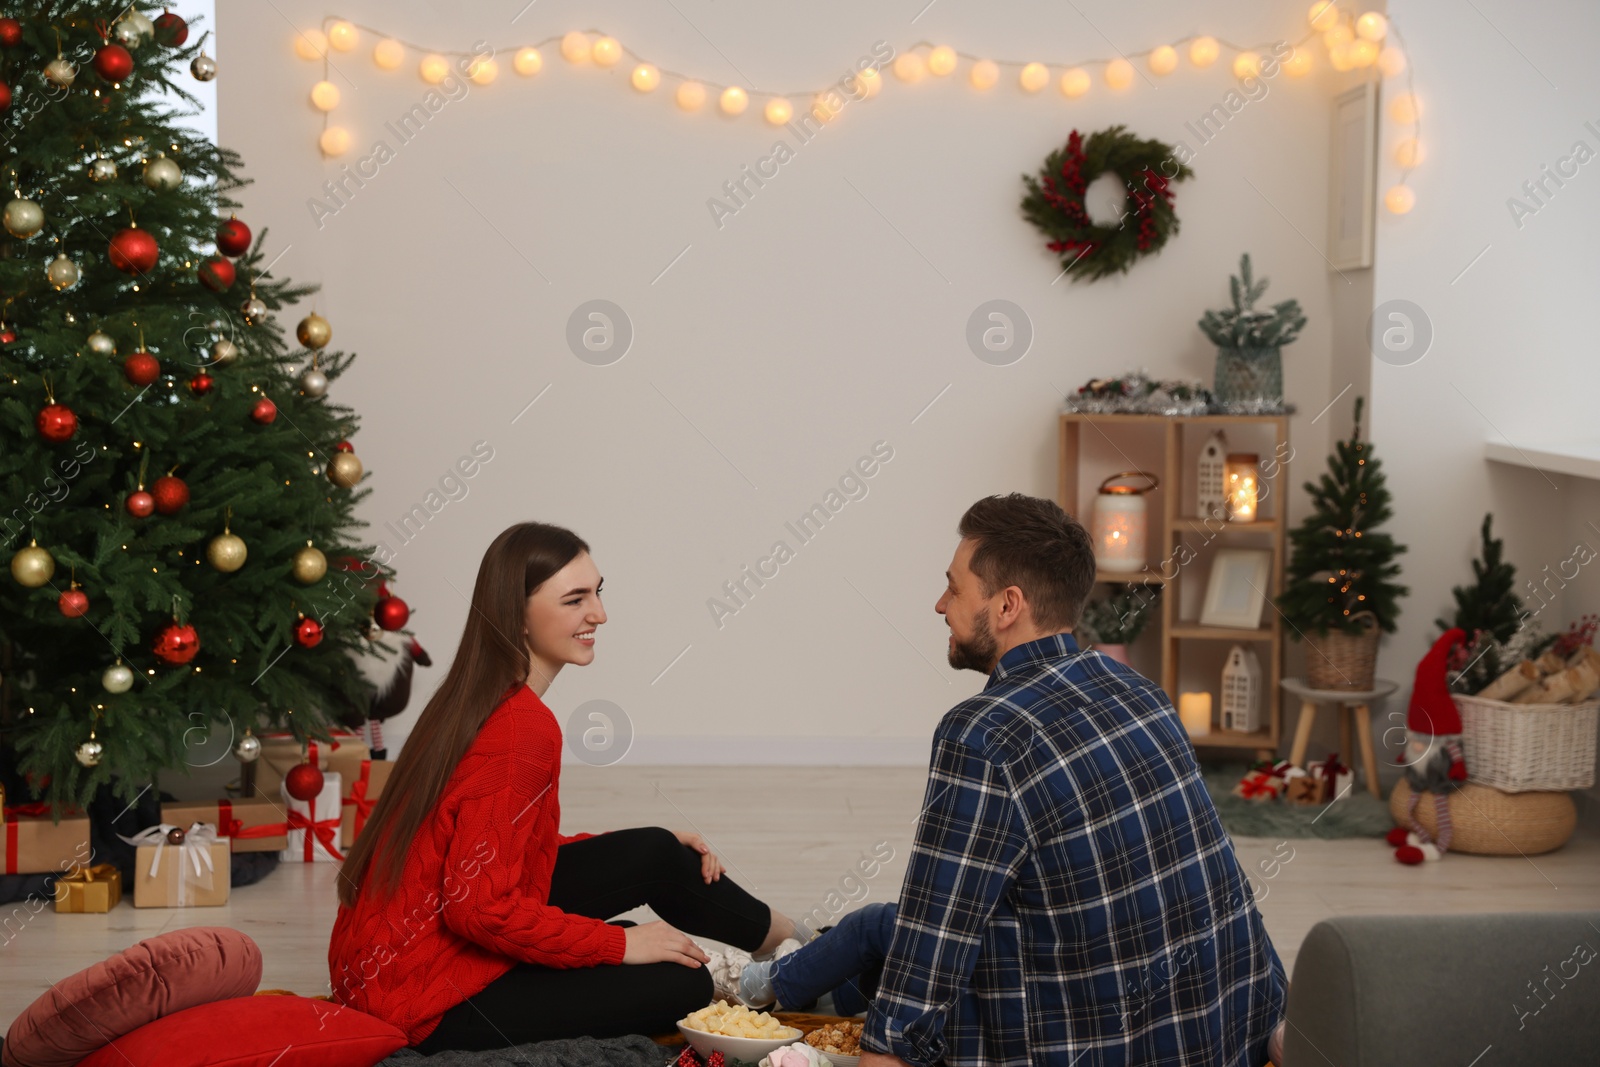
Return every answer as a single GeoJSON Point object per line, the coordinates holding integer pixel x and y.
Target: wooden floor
{"type": "Point", "coordinates": [793, 837]}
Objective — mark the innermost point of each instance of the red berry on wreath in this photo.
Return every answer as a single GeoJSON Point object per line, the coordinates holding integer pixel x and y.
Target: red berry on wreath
{"type": "Point", "coordinates": [141, 368]}
{"type": "Point", "coordinates": [391, 612]}
{"type": "Point", "coordinates": [171, 30]}
{"type": "Point", "coordinates": [233, 238]}
{"type": "Point", "coordinates": [217, 274]}
{"type": "Point", "coordinates": [170, 493]}
{"type": "Point", "coordinates": [303, 782]}
{"type": "Point", "coordinates": [10, 33]}
{"type": "Point", "coordinates": [264, 411]}
{"type": "Point", "coordinates": [308, 633]}
{"type": "Point", "coordinates": [133, 251]}
{"type": "Point", "coordinates": [176, 644]}
{"type": "Point", "coordinates": [140, 504]}
{"type": "Point", "coordinates": [113, 63]}
{"type": "Point", "coordinates": [201, 384]}
{"type": "Point", "coordinates": [56, 422]}
{"type": "Point", "coordinates": [74, 603]}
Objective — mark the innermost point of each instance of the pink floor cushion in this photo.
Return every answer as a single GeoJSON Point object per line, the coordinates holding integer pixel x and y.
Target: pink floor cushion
{"type": "Point", "coordinates": [265, 1031]}
{"type": "Point", "coordinates": [155, 978]}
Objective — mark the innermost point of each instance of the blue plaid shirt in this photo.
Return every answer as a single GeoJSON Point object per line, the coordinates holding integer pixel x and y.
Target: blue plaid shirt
{"type": "Point", "coordinates": [1071, 896]}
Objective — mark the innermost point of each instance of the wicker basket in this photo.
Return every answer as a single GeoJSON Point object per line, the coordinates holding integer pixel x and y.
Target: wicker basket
{"type": "Point", "coordinates": [1523, 747]}
{"type": "Point", "coordinates": [1489, 822]}
{"type": "Point", "coordinates": [1343, 661]}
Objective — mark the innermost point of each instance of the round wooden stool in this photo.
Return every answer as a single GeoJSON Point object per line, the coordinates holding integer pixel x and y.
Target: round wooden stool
{"type": "Point", "coordinates": [1350, 703]}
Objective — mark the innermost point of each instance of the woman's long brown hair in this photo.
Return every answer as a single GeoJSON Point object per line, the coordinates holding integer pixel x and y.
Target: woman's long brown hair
{"type": "Point", "coordinates": [492, 658]}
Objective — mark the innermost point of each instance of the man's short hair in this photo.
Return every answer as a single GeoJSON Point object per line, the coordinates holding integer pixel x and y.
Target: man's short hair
{"type": "Point", "coordinates": [1032, 544]}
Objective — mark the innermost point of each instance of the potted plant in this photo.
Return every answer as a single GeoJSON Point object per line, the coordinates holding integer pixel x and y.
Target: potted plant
{"type": "Point", "coordinates": [1115, 622]}
{"type": "Point", "coordinates": [1249, 374]}
{"type": "Point", "coordinates": [1340, 592]}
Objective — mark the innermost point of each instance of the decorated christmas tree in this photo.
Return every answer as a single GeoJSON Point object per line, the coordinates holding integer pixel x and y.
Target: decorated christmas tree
{"type": "Point", "coordinates": [177, 491]}
{"type": "Point", "coordinates": [1341, 564]}
{"type": "Point", "coordinates": [1489, 612]}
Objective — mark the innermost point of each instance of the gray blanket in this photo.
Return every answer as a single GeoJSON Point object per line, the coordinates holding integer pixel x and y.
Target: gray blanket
{"type": "Point", "coordinates": [635, 1050]}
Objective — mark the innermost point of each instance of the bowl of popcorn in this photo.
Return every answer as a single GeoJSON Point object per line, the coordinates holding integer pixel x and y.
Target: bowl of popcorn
{"type": "Point", "coordinates": [735, 1031]}
{"type": "Point", "coordinates": [839, 1042]}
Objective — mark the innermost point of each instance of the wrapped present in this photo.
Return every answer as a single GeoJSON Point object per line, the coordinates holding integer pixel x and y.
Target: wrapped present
{"type": "Point", "coordinates": [89, 889]}
{"type": "Point", "coordinates": [281, 753]}
{"type": "Point", "coordinates": [251, 824]}
{"type": "Point", "coordinates": [36, 844]}
{"type": "Point", "coordinates": [360, 796]}
{"type": "Point", "coordinates": [194, 873]}
{"type": "Point", "coordinates": [1304, 789]}
{"type": "Point", "coordinates": [314, 824]}
{"type": "Point", "coordinates": [1337, 778]}
{"type": "Point", "coordinates": [1264, 781]}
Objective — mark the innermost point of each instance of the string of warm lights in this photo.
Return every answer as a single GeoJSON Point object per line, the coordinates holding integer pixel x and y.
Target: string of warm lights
{"type": "Point", "coordinates": [1351, 42]}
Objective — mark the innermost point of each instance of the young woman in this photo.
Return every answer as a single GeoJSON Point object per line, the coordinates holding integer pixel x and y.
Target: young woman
{"type": "Point", "coordinates": [466, 919]}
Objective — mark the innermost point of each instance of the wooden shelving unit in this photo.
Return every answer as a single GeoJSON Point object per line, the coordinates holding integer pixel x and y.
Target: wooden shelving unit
{"type": "Point", "coordinates": [1166, 446]}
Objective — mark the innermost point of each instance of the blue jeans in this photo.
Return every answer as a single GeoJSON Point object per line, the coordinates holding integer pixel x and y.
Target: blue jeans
{"type": "Point", "coordinates": [847, 961]}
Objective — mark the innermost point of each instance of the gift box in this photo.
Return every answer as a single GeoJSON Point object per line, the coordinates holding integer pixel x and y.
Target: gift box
{"type": "Point", "coordinates": [281, 753]}
{"type": "Point", "coordinates": [36, 844]}
{"type": "Point", "coordinates": [1338, 780]}
{"type": "Point", "coordinates": [1304, 789]}
{"type": "Point", "coordinates": [194, 874]}
{"type": "Point", "coordinates": [1265, 781]}
{"type": "Point", "coordinates": [89, 889]}
{"type": "Point", "coordinates": [314, 824]}
{"type": "Point", "coordinates": [251, 824]}
{"type": "Point", "coordinates": [360, 796]}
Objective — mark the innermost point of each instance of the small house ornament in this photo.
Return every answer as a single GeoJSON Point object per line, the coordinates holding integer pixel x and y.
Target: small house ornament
{"type": "Point", "coordinates": [1241, 691]}
{"type": "Point", "coordinates": [1211, 491]}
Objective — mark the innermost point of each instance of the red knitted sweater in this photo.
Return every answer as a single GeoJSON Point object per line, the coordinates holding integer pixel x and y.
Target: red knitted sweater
{"type": "Point", "coordinates": [473, 895]}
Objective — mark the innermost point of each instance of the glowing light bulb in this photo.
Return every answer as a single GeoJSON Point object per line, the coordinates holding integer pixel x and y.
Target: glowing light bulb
{"type": "Point", "coordinates": [388, 54]}
{"type": "Point", "coordinates": [1405, 109]}
{"type": "Point", "coordinates": [646, 77]}
{"type": "Point", "coordinates": [691, 96]}
{"type": "Point", "coordinates": [1247, 65]}
{"type": "Point", "coordinates": [1408, 153]}
{"type": "Point", "coordinates": [1119, 74]}
{"type": "Point", "coordinates": [1164, 60]}
{"type": "Point", "coordinates": [779, 111]}
{"type": "Point", "coordinates": [1298, 65]}
{"type": "Point", "coordinates": [324, 96]}
{"type": "Point", "coordinates": [575, 47]}
{"type": "Point", "coordinates": [1399, 199]}
{"type": "Point", "coordinates": [1372, 26]}
{"type": "Point", "coordinates": [942, 61]}
{"type": "Point", "coordinates": [335, 141]}
{"type": "Point", "coordinates": [1338, 34]}
{"type": "Point", "coordinates": [310, 44]}
{"type": "Point", "coordinates": [1075, 82]}
{"type": "Point", "coordinates": [733, 100]}
{"type": "Point", "coordinates": [1203, 51]}
{"type": "Point", "coordinates": [433, 69]}
{"type": "Point", "coordinates": [984, 74]}
{"type": "Point", "coordinates": [870, 81]}
{"type": "Point", "coordinates": [909, 67]}
{"type": "Point", "coordinates": [1323, 15]}
{"type": "Point", "coordinates": [528, 62]}
{"type": "Point", "coordinates": [1391, 61]}
{"type": "Point", "coordinates": [1339, 57]}
{"type": "Point", "coordinates": [483, 70]}
{"type": "Point", "coordinates": [1363, 53]}
{"type": "Point", "coordinates": [606, 52]}
{"type": "Point", "coordinates": [1034, 76]}
{"type": "Point", "coordinates": [343, 36]}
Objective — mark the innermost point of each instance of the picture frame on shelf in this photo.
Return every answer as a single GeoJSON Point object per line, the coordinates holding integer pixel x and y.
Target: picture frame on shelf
{"type": "Point", "coordinates": [1236, 588]}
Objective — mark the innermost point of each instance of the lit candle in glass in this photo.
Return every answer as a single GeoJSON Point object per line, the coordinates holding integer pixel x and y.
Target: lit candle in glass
{"type": "Point", "coordinates": [1120, 520]}
{"type": "Point", "coordinates": [1195, 711]}
{"type": "Point", "coordinates": [1243, 484]}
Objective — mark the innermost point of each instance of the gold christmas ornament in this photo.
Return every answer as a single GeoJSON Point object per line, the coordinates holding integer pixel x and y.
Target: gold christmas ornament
{"type": "Point", "coordinates": [59, 72]}
{"type": "Point", "coordinates": [344, 470]}
{"type": "Point", "coordinates": [224, 351]}
{"type": "Point", "coordinates": [23, 218]}
{"type": "Point", "coordinates": [62, 273]}
{"type": "Point", "coordinates": [204, 68]}
{"type": "Point", "coordinates": [117, 678]}
{"type": "Point", "coordinates": [249, 747]}
{"type": "Point", "coordinates": [33, 566]}
{"type": "Point", "coordinates": [314, 331]}
{"type": "Point", "coordinates": [102, 344]}
{"type": "Point", "coordinates": [310, 564]}
{"type": "Point", "coordinates": [226, 552]}
{"type": "Point", "coordinates": [254, 310]}
{"type": "Point", "coordinates": [90, 751]}
{"type": "Point", "coordinates": [102, 170]}
{"type": "Point", "coordinates": [162, 174]}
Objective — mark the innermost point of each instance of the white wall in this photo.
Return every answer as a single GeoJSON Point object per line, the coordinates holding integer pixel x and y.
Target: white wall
{"type": "Point", "coordinates": [823, 317]}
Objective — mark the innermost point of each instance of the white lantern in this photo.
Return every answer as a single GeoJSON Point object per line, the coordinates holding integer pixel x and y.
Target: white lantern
{"type": "Point", "coordinates": [1210, 486]}
{"type": "Point", "coordinates": [1241, 691]}
{"type": "Point", "coordinates": [1121, 520]}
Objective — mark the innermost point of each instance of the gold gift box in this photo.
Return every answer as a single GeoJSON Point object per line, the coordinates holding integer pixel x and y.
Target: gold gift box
{"type": "Point", "coordinates": [165, 891]}
{"type": "Point", "coordinates": [89, 889]}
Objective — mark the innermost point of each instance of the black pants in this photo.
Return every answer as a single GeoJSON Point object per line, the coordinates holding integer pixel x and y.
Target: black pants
{"type": "Point", "coordinates": [602, 877]}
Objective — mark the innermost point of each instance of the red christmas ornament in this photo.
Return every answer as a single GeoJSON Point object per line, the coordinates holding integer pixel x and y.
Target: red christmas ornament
{"type": "Point", "coordinates": [217, 274]}
{"type": "Point", "coordinates": [344, 446]}
{"type": "Point", "coordinates": [113, 62]}
{"type": "Point", "coordinates": [10, 33]}
{"type": "Point", "coordinates": [56, 422]}
{"type": "Point", "coordinates": [303, 782]}
{"type": "Point", "coordinates": [391, 612]}
{"type": "Point", "coordinates": [141, 368]}
{"type": "Point", "coordinates": [7, 336]}
{"type": "Point", "coordinates": [264, 411]}
{"type": "Point", "coordinates": [233, 238]}
{"type": "Point", "coordinates": [171, 30]}
{"type": "Point", "coordinates": [74, 603]}
{"type": "Point", "coordinates": [201, 384]}
{"type": "Point", "coordinates": [133, 251]}
{"type": "Point", "coordinates": [140, 504]}
{"type": "Point", "coordinates": [176, 644]}
{"type": "Point", "coordinates": [171, 494]}
{"type": "Point", "coordinates": [5, 96]}
{"type": "Point", "coordinates": [308, 633]}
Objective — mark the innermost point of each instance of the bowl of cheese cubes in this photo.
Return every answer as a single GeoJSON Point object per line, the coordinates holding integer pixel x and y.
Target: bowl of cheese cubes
{"type": "Point", "coordinates": [735, 1031]}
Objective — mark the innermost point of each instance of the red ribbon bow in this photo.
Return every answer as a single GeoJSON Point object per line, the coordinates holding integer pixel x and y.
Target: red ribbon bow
{"type": "Point", "coordinates": [326, 832]}
{"type": "Point", "coordinates": [1257, 785]}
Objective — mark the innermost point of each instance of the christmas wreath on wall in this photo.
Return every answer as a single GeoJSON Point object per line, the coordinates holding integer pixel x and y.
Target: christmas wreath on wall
{"type": "Point", "coordinates": [1054, 202]}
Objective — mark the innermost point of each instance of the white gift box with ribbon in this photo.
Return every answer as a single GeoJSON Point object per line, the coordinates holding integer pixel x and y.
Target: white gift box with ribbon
{"type": "Point", "coordinates": [182, 875]}
{"type": "Point", "coordinates": [314, 825]}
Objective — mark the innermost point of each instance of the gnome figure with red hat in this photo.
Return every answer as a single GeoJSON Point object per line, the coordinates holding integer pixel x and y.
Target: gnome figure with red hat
{"type": "Point", "coordinates": [1433, 754]}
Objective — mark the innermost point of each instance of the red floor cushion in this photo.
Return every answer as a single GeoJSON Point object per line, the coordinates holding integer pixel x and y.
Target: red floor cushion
{"type": "Point", "coordinates": [154, 978]}
{"type": "Point", "coordinates": [281, 1031]}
